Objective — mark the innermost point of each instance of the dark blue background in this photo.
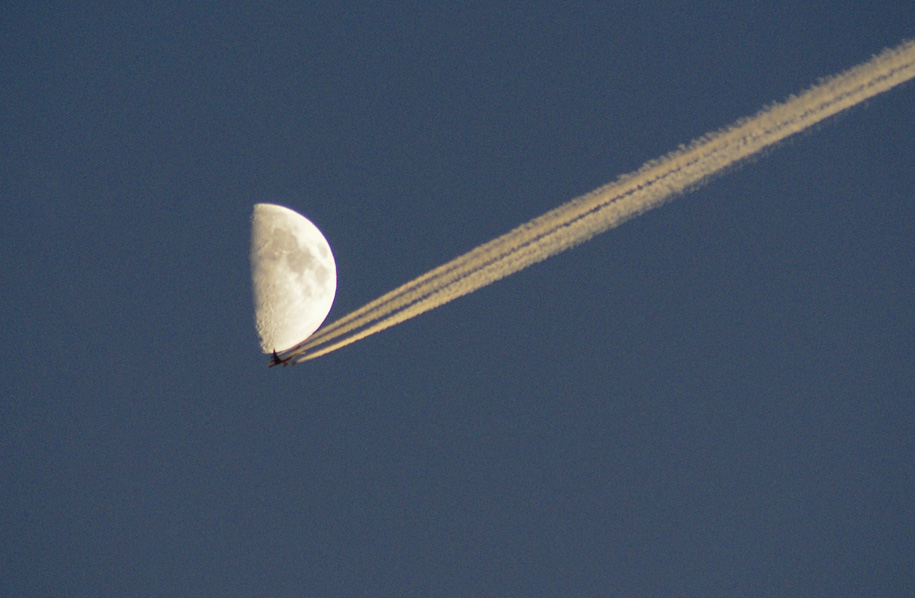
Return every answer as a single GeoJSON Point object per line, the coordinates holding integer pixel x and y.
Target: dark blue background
{"type": "Point", "coordinates": [714, 399]}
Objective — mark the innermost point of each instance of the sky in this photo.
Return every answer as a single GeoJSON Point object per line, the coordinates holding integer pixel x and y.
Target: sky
{"type": "Point", "coordinates": [716, 398]}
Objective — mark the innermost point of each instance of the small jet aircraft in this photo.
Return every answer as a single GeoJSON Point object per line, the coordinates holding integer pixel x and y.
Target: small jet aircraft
{"type": "Point", "coordinates": [277, 361]}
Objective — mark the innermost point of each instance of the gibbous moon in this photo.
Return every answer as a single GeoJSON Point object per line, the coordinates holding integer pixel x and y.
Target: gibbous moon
{"type": "Point", "coordinates": [293, 274]}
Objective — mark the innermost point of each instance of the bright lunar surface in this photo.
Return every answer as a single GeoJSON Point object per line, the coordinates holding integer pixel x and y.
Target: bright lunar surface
{"type": "Point", "coordinates": [293, 274]}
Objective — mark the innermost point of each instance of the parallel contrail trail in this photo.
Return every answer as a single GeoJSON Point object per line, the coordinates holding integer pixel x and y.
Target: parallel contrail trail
{"type": "Point", "coordinates": [578, 220]}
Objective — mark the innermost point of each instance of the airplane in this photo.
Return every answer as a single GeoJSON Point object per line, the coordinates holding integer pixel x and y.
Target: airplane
{"type": "Point", "coordinates": [277, 361]}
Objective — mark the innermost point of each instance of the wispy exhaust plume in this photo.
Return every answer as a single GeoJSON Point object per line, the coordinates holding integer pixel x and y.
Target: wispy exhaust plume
{"type": "Point", "coordinates": [577, 221]}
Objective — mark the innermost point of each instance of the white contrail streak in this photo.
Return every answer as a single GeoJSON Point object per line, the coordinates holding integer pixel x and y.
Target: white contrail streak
{"type": "Point", "coordinates": [578, 220]}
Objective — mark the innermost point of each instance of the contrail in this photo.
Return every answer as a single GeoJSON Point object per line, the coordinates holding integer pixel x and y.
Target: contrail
{"type": "Point", "coordinates": [578, 220]}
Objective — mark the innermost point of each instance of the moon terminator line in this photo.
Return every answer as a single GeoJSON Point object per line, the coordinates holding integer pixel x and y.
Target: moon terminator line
{"type": "Point", "coordinates": [578, 220]}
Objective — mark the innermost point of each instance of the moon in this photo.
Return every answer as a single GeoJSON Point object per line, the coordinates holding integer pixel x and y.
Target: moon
{"type": "Point", "coordinates": [293, 275]}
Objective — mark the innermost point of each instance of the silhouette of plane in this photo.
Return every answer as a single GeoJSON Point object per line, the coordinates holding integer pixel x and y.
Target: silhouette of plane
{"type": "Point", "coordinates": [277, 361]}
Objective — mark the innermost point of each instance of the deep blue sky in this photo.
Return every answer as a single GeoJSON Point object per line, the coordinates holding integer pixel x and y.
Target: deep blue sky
{"type": "Point", "coordinates": [717, 398]}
